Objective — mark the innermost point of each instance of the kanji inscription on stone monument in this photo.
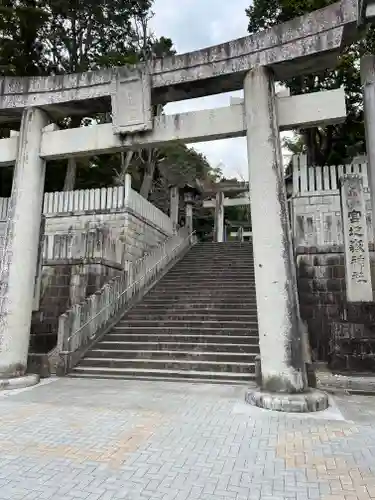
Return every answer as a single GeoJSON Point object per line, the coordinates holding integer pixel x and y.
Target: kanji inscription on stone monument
{"type": "Point", "coordinates": [357, 259]}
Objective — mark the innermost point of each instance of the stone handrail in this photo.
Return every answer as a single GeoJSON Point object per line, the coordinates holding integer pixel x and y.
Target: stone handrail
{"type": "Point", "coordinates": [84, 323]}
{"type": "Point", "coordinates": [150, 212]}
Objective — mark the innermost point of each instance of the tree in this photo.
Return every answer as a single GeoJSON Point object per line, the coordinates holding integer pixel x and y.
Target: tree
{"type": "Point", "coordinates": [147, 48]}
{"type": "Point", "coordinates": [177, 165]}
{"type": "Point", "coordinates": [88, 35]}
{"type": "Point", "coordinates": [21, 49]}
{"type": "Point", "coordinates": [21, 54]}
{"type": "Point", "coordinates": [64, 36]}
{"type": "Point", "coordinates": [335, 143]}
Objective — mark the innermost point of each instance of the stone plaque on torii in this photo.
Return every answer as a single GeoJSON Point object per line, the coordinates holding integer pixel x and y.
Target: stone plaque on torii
{"type": "Point", "coordinates": [253, 63]}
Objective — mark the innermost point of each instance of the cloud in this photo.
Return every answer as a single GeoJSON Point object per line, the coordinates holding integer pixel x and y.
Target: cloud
{"type": "Point", "coordinates": [192, 25]}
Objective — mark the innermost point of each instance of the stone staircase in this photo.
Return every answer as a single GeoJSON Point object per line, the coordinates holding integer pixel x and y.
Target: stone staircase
{"type": "Point", "coordinates": [199, 322]}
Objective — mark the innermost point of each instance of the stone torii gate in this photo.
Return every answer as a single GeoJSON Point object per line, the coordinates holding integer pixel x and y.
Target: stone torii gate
{"type": "Point", "coordinates": [220, 202]}
{"type": "Point", "coordinates": [303, 45]}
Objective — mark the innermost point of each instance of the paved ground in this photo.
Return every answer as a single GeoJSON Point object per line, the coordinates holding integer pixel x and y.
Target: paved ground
{"type": "Point", "coordinates": [101, 440]}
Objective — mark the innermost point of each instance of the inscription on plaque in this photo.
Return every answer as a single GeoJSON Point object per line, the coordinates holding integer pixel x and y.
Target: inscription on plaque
{"type": "Point", "coordinates": [131, 101]}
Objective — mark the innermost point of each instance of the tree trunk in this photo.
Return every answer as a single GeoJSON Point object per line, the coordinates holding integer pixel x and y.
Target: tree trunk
{"type": "Point", "coordinates": [71, 171]}
{"type": "Point", "coordinates": [147, 181]}
{"type": "Point", "coordinates": [149, 173]}
{"type": "Point", "coordinates": [70, 177]}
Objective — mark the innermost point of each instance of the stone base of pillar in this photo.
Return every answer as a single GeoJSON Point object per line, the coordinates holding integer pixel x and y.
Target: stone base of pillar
{"type": "Point", "coordinates": [306, 402]}
{"type": "Point", "coordinates": [18, 382]}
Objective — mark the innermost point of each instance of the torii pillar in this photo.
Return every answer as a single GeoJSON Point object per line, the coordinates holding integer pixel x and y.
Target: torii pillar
{"type": "Point", "coordinates": [189, 202]}
{"type": "Point", "coordinates": [219, 217]}
{"type": "Point", "coordinates": [174, 197]}
{"type": "Point", "coordinates": [284, 384]}
{"type": "Point", "coordinates": [21, 247]}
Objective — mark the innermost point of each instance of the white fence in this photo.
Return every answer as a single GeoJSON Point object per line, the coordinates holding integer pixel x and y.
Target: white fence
{"type": "Point", "coordinates": [84, 322]}
{"type": "Point", "coordinates": [320, 179]}
{"type": "Point", "coordinates": [316, 207]}
{"type": "Point", "coordinates": [110, 198]}
{"type": "Point", "coordinates": [99, 200]}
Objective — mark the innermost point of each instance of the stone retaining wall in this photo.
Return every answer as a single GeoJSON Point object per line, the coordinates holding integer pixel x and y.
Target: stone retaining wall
{"type": "Point", "coordinates": [322, 292]}
{"type": "Point", "coordinates": [65, 283]}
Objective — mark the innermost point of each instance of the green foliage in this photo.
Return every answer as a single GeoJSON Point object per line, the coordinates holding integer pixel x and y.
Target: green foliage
{"type": "Point", "coordinates": [333, 144]}
{"type": "Point", "coordinates": [90, 34]}
{"type": "Point", "coordinates": [43, 37]}
{"type": "Point", "coordinates": [64, 36]}
{"type": "Point", "coordinates": [21, 48]}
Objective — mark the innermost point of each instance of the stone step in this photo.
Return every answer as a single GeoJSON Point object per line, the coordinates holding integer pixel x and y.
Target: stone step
{"type": "Point", "coordinates": [198, 323]}
{"type": "Point", "coordinates": [231, 254]}
{"type": "Point", "coordinates": [235, 260]}
{"type": "Point", "coordinates": [201, 307]}
{"type": "Point", "coordinates": [213, 280]}
{"type": "Point", "coordinates": [194, 294]}
{"type": "Point", "coordinates": [222, 316]}
{"type": "Point", "coordinates": [188, 323]}
{"type": "Point", "coordinates": [150, 345]}
{"type": "Point", "coordinates": [220, 251]}
{"type": "Point", "coordinates": [169, 364]}
{"type": "Point", "coordinates": [209, 285]}
{"type": "Point", "coordinates": [197, 355]}
{"type": "Point", "coordinates": [208, 297]}
{"type": "Point", "coordinates": [160, 374]}
{"type": "Point", "coordinates": [203, 298]}
{"type": "Point", "coordinates": [198, 292]}
{"type": "Point", "coordinates": [225, 250]}
{"type": "Point", "coordinates": [189, 336]}
{"type": "Point", "coordinates": [202, 254]}
{"type": "Point", "coordinates": [203, 271]}
{"type": "Point", "coordinates": [204, 274]}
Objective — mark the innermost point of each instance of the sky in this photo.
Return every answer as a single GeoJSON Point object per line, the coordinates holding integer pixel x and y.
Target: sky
{"type": "Point", "coordinates": [192, 25]}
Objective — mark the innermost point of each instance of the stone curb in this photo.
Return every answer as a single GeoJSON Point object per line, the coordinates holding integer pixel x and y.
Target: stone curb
{"type": "Point", "coordinates": [7, 384]}
{"type": "Point", "coordinates": [307, 402]}
{"type": "Point", "coordinates": [353, 385]}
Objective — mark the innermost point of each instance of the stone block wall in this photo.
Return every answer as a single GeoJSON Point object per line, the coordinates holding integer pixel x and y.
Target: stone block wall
{"type": "Point", "coordinates": [63, 284]}
{"type": "Point", "coordinates": [82, 253]}
{"type": "Point", "coordinates": [317, 220]}
{"type": "Point", "coordinates": [322, 293]}
{"type": "Point", "coordinates": [139, 236]}
{"type": "Point", "coordinates": [131, 231]}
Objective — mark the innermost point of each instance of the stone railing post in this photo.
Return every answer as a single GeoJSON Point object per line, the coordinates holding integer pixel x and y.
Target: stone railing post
{"type": "Point", "coordinates": [357, 257]}
{"type": "Point", "coordinates": [78, 283]}
{"type": "Point", "coordinates": [128, 186]}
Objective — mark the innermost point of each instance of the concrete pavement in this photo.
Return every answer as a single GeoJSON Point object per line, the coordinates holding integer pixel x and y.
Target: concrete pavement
{"type": "Point", "coordinates": [87, 439]}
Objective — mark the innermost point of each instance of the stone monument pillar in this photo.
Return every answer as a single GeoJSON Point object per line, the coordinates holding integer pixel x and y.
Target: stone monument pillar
{"type": "Point", "coordinates": [18, 264]}
{"type": "Point", "coordinates": [219, 217]}
{"type": "Point", "coordinates": [357, 256]}
{"type": "Point", "coordinates": [283, 371]}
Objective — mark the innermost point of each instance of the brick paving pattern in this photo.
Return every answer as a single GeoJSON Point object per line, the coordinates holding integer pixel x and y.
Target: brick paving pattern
{"type": "Point", "coordinates": [111, 439]}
